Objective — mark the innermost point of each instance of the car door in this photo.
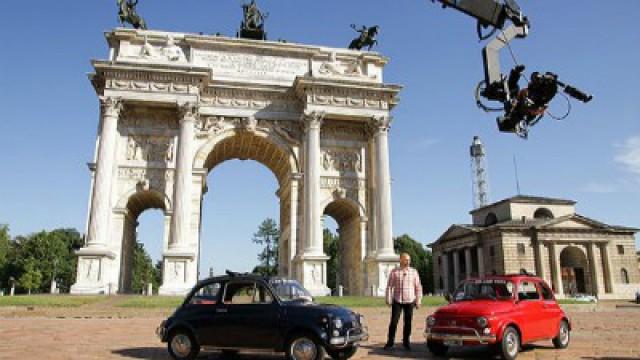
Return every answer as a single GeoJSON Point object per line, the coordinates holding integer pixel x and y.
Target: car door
{"type": "Point", "coordinates": [201, 312]}
{"type": "Point", "coordinates": [551, 310]}
{"type": "Point", "coordinates": [249, 314]}
{"type": "Point", "coordinates": [530, 311]}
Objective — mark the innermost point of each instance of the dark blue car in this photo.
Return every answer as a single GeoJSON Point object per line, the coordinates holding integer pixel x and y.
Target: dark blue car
{"type": "Point", "coordinates": [250, 312]}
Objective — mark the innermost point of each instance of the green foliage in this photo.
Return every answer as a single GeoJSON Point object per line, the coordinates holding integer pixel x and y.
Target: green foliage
{"type": "Point", "coordinates": [4, 252]}
{"type": "Point", "coordinates": [143, 271]}
{"type": "Point", "coordinates": [37, 258]}
{"type": "Point", "coordinates": [268, 235]}
{"type": "Point", "coordinates": [330, 243]}
{"type": "Point", "coordinates": [368, 301]}
{"type": "Point", "coordinates": [421, 259]}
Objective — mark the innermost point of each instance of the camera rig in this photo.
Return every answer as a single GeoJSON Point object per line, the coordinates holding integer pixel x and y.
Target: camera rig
{"type": "Point", "coordinates": [521, 107]}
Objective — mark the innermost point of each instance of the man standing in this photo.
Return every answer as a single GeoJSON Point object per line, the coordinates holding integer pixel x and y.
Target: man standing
{"type": "Point", "coordinates": [404, 293]}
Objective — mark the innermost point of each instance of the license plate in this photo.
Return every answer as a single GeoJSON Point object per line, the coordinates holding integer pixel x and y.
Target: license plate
{"type": "Point", "coordinates": [453, 342]}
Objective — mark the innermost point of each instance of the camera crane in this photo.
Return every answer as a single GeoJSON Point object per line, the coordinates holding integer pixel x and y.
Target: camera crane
{"type": "Point", "coordinates": [524, 107]}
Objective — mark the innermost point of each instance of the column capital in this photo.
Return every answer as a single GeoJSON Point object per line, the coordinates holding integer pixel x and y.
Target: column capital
{"type": "Point", "coordinates": [188, 111]}
{"type": "Point", "coordinates": [380, 123]}
{"type": "Point", "coordinates": [313, 119]}
{"type": "Point", "coordinates": [111, 106]}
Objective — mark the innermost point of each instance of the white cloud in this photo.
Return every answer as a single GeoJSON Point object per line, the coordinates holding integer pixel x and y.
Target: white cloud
{"type": "Point", "coordinates": [629, 155]}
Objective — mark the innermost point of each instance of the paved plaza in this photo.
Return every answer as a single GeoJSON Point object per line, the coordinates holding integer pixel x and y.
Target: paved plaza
{"type": "Point", "coordinates": [102, 332]}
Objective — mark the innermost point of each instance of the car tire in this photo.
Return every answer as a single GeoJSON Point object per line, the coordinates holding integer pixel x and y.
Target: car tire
{"type": "Point", "coordinates": [304, 347]}
{"type": "Point", "coordinates": [510, 345]}
{"type": "Point", "coordinates": [343, 354]}
{"type": "Point", "coordinates": [437, 348]}
{"type": "Point", "coordinates": [182, 345]}
{"type": "Point", "coordinates": [561, 341]}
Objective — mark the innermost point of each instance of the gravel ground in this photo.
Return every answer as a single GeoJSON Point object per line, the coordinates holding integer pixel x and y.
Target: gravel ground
{"type": "Point", "coordinates": [102, 332]}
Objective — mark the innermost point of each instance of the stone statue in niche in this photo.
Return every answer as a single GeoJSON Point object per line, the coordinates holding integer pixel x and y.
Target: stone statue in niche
{"type": "Point", "coordinates": [172, 51]}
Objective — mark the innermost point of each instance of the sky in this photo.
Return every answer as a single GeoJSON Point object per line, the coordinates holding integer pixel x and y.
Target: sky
{"type": "Point", "coordinates": [49, 112]}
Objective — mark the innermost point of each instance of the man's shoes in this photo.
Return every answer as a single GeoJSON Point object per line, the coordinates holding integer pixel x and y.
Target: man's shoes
{"type": "Point", "coordinates": [407, 347]}
{"type": "Point", "coordinates": [388, 347]}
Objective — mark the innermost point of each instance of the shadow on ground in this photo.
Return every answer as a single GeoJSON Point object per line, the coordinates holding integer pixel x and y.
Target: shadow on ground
{"type": "Point", "coordinates": [161, 353]}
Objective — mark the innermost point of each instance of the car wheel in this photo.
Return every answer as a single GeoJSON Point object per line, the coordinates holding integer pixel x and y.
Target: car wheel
{"type": "Point", "coordinates": [305, 347]}
{"type": "Point", "coordinates": [510, 344]}
{"type": "Point", "coordinates": [564, 335]}
{"type": "Point", "coordinates": [437, 348]}
{"type": "Point", "coordinates": [182, 345]}
{"type": "Point", "coordinates": [343, 354]}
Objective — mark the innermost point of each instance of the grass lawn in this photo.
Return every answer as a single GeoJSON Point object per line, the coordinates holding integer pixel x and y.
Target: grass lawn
{"type": "Point", "coordinates": [150, 302]}
{"type": "Point", "coordinates": [49, 300]}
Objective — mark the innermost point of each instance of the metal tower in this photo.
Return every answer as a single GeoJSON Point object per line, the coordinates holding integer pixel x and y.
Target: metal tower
{"type": "Point", "coordinates": [479, 174]}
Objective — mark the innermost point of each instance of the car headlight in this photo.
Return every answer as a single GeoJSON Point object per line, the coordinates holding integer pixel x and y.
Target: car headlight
{"type": "Point", "coordinates": [482, 322]}
{"type": "Point", "coordinates": [431, 320]}
{"type": "Point", "coordinates": [337, 323]}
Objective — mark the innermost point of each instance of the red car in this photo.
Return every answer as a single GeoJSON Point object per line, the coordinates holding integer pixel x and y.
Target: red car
{"type": "Point", "coordinates": [501, 311]}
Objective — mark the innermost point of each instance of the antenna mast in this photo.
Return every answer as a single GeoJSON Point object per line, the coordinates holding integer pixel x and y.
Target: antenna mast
{"type": "Point", "coordinates": [479, 173]}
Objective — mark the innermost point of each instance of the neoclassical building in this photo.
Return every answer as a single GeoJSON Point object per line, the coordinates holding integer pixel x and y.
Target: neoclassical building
{"type": "Point", "coordinates": [543, 236]}
{"type": "Point", "coordinates": [176, 105]}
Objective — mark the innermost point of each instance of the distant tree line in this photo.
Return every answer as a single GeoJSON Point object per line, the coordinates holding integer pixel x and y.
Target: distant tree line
{"type": "Point", "coordinates": [31, 261]}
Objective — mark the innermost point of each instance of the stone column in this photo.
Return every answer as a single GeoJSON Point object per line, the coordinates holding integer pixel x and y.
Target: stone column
{"type": "Point", "coordinates": [383, 185]}
{"type": "Point", "coordinates": [539, 257]}
{"type": "Point", "coordinates": [445, 272]}
{"type": "Point", "coordinates": [312, 214]}
{"type": "Point", "coordinates": [556, 278]}
{"type": "Point", "coordinates": [467, 262]}
{"type": "Point", "coordinates": [364, 250]}
{"type": "Point", "coordinates": [607, 275]}
{"type": "Point", "coordinates": [180, 224]}
{"type": "Point", "coordinates": [293, 221]}
{"type": "Point", "coordinates": [480, 254]}
{"type": "Point", "coordinates": [593, 269]}
{"type": "Point", "coordinates": [456, 268]}
{"type": "Point", "coordinates": [98, 235]}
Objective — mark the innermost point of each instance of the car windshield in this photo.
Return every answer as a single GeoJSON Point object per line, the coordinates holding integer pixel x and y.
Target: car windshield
{"type": "Point", "coordinates": [290, 290]}
{"type": "Point", "coordinates": [494, 289]}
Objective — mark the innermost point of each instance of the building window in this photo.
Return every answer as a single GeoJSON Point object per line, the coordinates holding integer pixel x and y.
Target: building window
{"type": "Point", "coordinates": [492, 251]}
{"type": "Point", "coordinates": [490, 219]}
{"type": "Point", "coordinates": [620, 249]}
{"type": "Point", "coordinates": [439, 260]}
{"type": "Point", "coordinates": [625, 276]}
{"type": "Point", "coordinates": [543, 214]}
{"type": "Point", "coordinates": [521, 249]}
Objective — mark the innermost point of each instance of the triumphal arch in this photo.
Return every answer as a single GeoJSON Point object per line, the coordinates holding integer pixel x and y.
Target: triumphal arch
{"type": "Point", "coordinates": [175, 105]}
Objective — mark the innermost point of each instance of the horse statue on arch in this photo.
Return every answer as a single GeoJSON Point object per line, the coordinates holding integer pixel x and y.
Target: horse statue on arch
{"type": "Point", "coordinates": [128, 14]}
{"type": "Point", "coordinates": [367, 37]}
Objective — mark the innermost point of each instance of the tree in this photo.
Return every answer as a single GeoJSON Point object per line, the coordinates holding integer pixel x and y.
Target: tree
{"type": "Point", "coordinates": [421, 259]}
{"type": "Point", "coordinates": [330, 243]}
{"type": "Point", "coordinates": [143, 271]}
{"type": "Point", "coordinates": [31, 278]}
{"type": "Point", "coordinates": [268, 235]}
{"type": "Point", "coordinates": [4, 253]}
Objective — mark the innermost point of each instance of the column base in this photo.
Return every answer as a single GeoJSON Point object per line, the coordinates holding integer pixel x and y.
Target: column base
{"type": "Point", "coordinates": [95, 273]}
{"type": "Point", "coordinates": [311, 270]}
{"type": "Point", "coordinates": [378, 269]}
{"type": "Point", "coordinates": [180, 273]}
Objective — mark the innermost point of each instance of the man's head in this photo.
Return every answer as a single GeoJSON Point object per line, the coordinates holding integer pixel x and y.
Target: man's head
{"type": "Point", "coordinates": [405, 260]}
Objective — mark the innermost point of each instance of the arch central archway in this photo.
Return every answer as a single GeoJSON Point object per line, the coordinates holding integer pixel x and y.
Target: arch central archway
{"type": "Point", "coordinates": [575, 271]}
{"type": "Point", "coordinates": [276, 155]}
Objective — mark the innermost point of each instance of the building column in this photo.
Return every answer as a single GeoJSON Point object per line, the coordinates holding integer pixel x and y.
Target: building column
{"type": "Point", "coordinates": [456, 269]}
{"type": "Point", "coordinates": [312, 214]}
{"type": "Point", "coordinates": [180, 224]}
{"type": "Point", "coordinates": [606, 265]}
{"type": "Point", "coordinates": [444, 271]}
{"type": "Point", "coordinates": [556, 278]}
{"type": "Point", "coordinates": [539, 259]}
{"type": "Point", "coordinates": [467, 262]}
{"type": "Point", "coordinates": [294, 249]}
{"type": "Point", "coordinates": [480, 254]}
{"type": "Point", "coordinates": [593, 269]}
{"type": "Point", "coordinates": [383, 186]}
{"type": "Point", "coordinates": [98, 235]}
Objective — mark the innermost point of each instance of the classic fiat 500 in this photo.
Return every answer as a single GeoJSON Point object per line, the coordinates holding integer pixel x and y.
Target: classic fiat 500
{"type": "Point", "coordinates": [501, 311]}
{"type": "Point", "coordinates": [249, 312]}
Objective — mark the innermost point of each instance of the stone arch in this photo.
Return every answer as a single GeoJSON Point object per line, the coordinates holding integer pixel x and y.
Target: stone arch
{"type": "Point", "coordinates": [575, 271]}
{"type": "Point", "coordinates": [348, 215]}
{"type": "Point", "coordinates": [202, 158]}
{"type": "Point", "coordinates": [273, 152]}
{"type": "Point", "coordinates": [130, 207]}
{"type": "Point", "coordinates": [490, 219]}
{"type": "Point", "coordinates": [543, 213]}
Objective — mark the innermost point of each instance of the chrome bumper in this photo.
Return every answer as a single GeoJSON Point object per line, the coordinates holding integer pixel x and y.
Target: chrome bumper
{"type": "Point", "coordinates": [348, 339]}
{"type": "Point", "coordinates": [444, 336]}
{"type": "Point", "coordinates": [161, 331]}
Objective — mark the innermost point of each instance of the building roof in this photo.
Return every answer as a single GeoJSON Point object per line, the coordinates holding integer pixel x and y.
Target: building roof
{"type": "Point", "coordinates": [528, 199]}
